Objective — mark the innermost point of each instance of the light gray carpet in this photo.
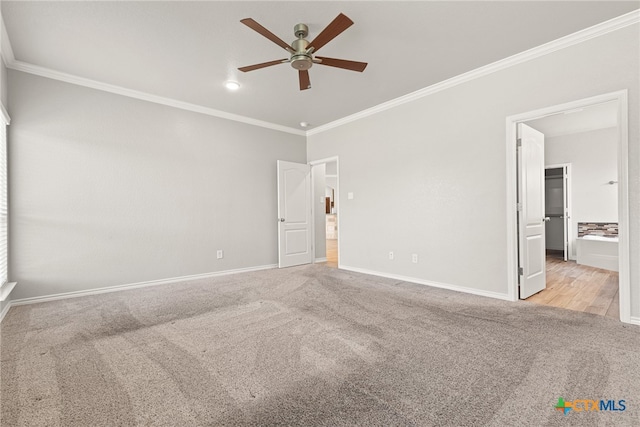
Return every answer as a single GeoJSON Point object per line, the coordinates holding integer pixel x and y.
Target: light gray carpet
{"type": "Point", "coordinates": [310, 346]}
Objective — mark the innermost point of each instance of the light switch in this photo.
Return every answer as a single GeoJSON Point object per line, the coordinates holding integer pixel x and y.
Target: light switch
{"type": "Point", "coordinates": [350, 196]}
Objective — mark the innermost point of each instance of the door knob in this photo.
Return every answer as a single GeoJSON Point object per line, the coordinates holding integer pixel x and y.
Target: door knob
{"type": "Point", "coordinates": [547, 219]}
{"type": "Point", "coordinates": [281, 219]}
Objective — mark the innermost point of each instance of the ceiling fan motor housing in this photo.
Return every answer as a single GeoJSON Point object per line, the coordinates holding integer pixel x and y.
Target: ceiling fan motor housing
{"type": "Point", "coordinates": [301, 60]}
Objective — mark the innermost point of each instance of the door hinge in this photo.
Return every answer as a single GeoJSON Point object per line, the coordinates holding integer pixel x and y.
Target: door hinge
{"type": "Point", "coordinates": [520, 271]}
{"type": "Point", "coordinates": [519, 207]}
{"type": "Point", "coordinates": [519, 142]}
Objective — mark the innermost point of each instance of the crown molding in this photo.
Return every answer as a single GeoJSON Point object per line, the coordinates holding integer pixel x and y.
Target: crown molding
{"type": "Point", "coordinates": [81, 81]}
{"type": "Point", "coordinates": [519, 58]}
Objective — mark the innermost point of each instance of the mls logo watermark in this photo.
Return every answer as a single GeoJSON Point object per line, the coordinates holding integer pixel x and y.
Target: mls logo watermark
{"type": "Point", "coordinates": [590, 405]}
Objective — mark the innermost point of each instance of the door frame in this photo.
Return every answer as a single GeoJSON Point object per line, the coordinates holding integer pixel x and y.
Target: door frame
{"type": "Point", "coordinates": [566, 167]}
{"type": "Point", "coordinates": [314, 205]}
{"type": "Point", "coordinates": [623, 191]}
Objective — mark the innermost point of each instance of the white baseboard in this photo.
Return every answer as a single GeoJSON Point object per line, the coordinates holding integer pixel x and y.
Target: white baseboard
{"type": "Point", "coordinates": [75, 294]}
{"type": "Point", "coordinates": [320, 259]}
{"type": "Point", "coordinates": [34, 300]}
{"type": "Point", "coordinates": [456, 288]}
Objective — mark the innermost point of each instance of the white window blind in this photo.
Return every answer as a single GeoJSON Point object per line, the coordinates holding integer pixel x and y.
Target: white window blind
{"type": "Point", "coordinates": [3, 203]}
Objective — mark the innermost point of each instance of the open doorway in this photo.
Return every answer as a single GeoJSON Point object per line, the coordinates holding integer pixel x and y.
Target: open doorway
{"type": "Point", "coordinates": [585, 249]}
{"type": "Point", "coordinates": [558, 200]}
{"type": "Point", "coordinates": [326, 211]}
{"type": "Point", "coordinates": [581, 170]}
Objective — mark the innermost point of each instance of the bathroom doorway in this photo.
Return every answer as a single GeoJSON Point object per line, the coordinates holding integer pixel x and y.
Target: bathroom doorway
{"type": "Point", "coordinates": [583, 141]}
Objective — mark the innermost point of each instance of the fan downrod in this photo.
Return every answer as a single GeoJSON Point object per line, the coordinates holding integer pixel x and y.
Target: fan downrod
{"type": "Point", "coordinates": [301, 31]}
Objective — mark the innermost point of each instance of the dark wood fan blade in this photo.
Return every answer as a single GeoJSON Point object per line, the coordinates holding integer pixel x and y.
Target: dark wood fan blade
{"type": "Point", "coordinates": [305, 83]}
{"type": "Point", "coordinates": [343, 63]}
{"type": "Point", "coordinates": [263, 65]}
{"type": "Point", "coordinates": [266, 33]}
{"type": "Point", "coordinates": [338, 25]}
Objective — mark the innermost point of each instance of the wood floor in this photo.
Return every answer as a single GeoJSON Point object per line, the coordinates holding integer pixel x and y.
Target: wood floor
{"type": "Point", "coordinates": [332, 253]}
{"type": "Point", "coordinates": [569, 285]}
{"type": "Point", "coordinates": [579, 287]}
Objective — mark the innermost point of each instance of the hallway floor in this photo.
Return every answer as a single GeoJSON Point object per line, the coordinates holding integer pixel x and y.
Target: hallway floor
{"type": "Point", "coordinates": [579, 287]}
{"type": "Point", "coordinates": [332, 253]}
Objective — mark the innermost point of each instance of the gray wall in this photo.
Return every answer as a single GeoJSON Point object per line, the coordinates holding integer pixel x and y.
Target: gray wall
{"type": "Point", "coordinates": [332, 168]}
{"type": "Point", "coordinates": [594, 162]}
{"type": "Point", "coordinates": [108, 190]}
{"type": "Point", "coordinates": [428, 177]}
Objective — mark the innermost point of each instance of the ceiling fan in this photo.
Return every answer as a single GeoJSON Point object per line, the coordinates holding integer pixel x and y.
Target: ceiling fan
{"type": "Point", "coordinates": [302, 52]}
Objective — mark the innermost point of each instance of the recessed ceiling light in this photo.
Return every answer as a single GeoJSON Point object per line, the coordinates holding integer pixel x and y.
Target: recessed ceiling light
{"type": "Point", "coordinates": [232, 85]}
{"type": "Point", "coordinates": [304, 124]}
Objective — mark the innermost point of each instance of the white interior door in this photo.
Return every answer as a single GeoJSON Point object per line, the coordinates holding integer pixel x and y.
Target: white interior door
{"type": "Point", "coordinates": [294, 214]}
{"type": "Point", "coordinates": [531, 219]}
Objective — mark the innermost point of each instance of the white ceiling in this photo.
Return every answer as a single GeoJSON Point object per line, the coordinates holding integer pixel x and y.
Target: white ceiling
{"type": "Point", "coordinates": [596, 117]}
{"type": "Point", "coordinates": [187, 50]}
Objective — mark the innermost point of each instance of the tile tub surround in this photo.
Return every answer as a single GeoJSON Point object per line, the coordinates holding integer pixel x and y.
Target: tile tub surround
{"type": "Point", "coordinates": [598, 229]}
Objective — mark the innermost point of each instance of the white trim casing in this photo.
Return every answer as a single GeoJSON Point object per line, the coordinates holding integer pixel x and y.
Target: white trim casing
{"type": "Point", "coordinates": [623, 191]}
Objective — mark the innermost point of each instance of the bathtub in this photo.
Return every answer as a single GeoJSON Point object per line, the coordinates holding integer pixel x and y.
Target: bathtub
{"type": "Point", "coordinates": [598, 251]}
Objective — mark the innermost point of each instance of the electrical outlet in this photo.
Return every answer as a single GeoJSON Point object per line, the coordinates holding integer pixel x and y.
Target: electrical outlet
{"type": "Point", "coordinates": [390, 255]}
{"type": "Point", "coordinates": [414, 258]}
{"type": "Point", "coordinates": [220, 254]}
